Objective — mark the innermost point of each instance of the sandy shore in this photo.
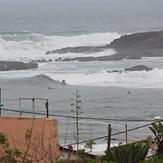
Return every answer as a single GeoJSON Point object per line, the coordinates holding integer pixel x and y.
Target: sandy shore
{"type": "Point", "coordinates": [104, 102]}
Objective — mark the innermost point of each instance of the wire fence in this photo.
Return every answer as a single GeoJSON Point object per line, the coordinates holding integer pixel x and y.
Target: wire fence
{"type": "Point", "coordinates": [84, 118]}
{"type": "Point", "coordinates": [105, 137]}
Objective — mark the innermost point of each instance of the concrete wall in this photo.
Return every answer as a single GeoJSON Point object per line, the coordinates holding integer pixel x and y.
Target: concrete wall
{"type": "Point", "coordinates": [43, 145]}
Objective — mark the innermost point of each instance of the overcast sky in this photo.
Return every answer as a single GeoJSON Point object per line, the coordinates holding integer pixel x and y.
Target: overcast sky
{"type": "Point", "coordinates": [110, 6]}
{"type": "Point", "coordinates": [15, 11]}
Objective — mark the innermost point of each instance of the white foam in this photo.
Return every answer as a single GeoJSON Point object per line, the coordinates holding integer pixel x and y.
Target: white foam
{"type": "Point", "coordinates": [73, 55]}
{"type": "Point", "coordinates": [97, 149]}
{"type": "Point", "coordinates": [19, 74]}
{"type": "Point", "coordinates": [25, 47]}
{"type": "Point", "coordinates": [84, 39]}
{"type": "Point", "coordinates": [143, 79]}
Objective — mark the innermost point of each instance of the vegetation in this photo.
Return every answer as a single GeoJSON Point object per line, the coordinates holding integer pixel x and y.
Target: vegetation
{"type": "Point", "coordinates": [154, 159]}
{"type": "Point", "coordinates": [130, 153]}
{"type": "Point", "coordinates": [8, 154]}
{"type": "Point", "coordinates": [157, 130]}
{"type": "Point", "coordinates": [89, 144]}
{"type": "Point", "coordinates": [76, 104]}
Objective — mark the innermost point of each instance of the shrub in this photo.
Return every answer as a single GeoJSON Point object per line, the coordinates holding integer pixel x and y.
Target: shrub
{"type": "Point", "coordinates": [130, 153]}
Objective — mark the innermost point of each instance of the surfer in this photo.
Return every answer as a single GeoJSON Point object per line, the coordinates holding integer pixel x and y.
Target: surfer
{"type": "Point", "coordinates": [63, 82]}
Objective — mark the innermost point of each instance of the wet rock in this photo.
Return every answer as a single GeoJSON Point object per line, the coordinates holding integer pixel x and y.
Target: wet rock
{"type": "Point", "coordinates": [43, 60]}
{"type": "Point", "coordinates": [134, 68]}
{"type": "Point", "coordinates": [78, 49]}
{"type": "Point", "coordinates": [15, 65]}
{"type": "Point", "coordinates": [113, 71]}
{"type": "Point", "coordinates": [133, 46]}
{"type": "Point", "coordinates": [138, 68]}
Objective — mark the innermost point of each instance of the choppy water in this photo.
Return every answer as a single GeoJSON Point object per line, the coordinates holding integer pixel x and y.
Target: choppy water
{"type": "Point", "coordinates": [31, 46]}
{"type": "Point", "coordinates": [29, 28]}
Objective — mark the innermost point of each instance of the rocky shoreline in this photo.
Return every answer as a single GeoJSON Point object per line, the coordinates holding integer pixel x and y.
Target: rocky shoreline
{"type": "Point", "coordinates": [78, 49]}
{"type": "Point", "coordinates": [133, 46]}
{"type": "Point", "coordinates": [16, 65]}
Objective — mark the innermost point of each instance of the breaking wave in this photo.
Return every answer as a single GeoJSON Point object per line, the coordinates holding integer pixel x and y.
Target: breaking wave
{"type": "Point", "coordinates": [137, 79]}
{"type": "Point", "coordinates": [143, 79]}
{"type": "Point", "coordinates": [28, 46]}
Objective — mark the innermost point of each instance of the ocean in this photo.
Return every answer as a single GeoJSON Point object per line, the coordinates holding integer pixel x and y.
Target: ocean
{"type": "Point", "coordinates": [28, 29]}
{"type": "Point", "coordinates": [27, 47]}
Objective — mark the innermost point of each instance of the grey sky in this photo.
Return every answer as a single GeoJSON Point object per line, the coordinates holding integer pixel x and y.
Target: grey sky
{"type": "Point", "coordinates": [78, 13]}
{"type": "Point", "coordinates": [101, 6]}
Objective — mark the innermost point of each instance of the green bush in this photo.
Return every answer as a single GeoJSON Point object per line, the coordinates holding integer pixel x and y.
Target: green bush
{"type": "Point", "coordinates": [130, 153]}
{"type": "Point", "coordinates": [157, 130]}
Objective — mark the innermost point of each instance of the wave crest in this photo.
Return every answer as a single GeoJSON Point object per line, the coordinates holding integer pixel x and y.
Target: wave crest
{"type": "Point", "coordinates": [27, 46]}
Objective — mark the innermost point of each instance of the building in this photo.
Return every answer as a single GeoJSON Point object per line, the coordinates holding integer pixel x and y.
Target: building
{"type": "Point", "coordinates": [36, 138]}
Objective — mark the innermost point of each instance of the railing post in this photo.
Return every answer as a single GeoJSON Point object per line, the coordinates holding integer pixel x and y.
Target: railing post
{"type": "Point", "coordinates": [20, 109]}
{"type": "Point", "coordinates": [33, 107]}
{"type": "Point", "coordinates": [47, 108]}
{"type": "Point", "coordinates": [109, 136]}
{"type": "Point", "coordinates": [126, 136]}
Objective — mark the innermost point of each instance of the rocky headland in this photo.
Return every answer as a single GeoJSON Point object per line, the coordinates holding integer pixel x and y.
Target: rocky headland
{"type": "Point", "coordinates": [133, 46]}
{"type": "Point", "coordinates": [16, 65]}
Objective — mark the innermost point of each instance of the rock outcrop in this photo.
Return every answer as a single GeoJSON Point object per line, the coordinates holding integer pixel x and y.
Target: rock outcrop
{"type": "Point", "coordinates": [78, 49]}
{"type": "Point", "coordinates": [139, 68]}
{"type": "Point", "coordinates": [134, 68]}
{"type": "Point", "coordinates": [42, 60]}
{"type": "Point", "coordinates": [85, 59]}
{"type": "Point", "coordinates": [8, 66]}
{"type": "Point", "coordinates": [133, 46]}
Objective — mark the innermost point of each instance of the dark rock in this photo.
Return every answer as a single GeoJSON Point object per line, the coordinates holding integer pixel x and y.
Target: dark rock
{"type": "Point", "coordinates": [59, 59]}
{"type": "Point", "coordinates": [42, 60]}
{"type": "Point", "coordinates": [101, 58]}
{"type": "Point", "coordinates": [139, 40]}
{"type": "Point", "coordinates": [138, 68]}
{"type": "Point", "coordinates": [8, 66]}
{"type": "Point", "coordinates": [113, 71]}
{"type": "Point", "coordinates": [78, 49]}
{"type": "Point", "coordinates": [134, 68]}
{"type": "Point", "coordinates": [81, 59]}
{"type": "Point", "coordinates": [133, 46]}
